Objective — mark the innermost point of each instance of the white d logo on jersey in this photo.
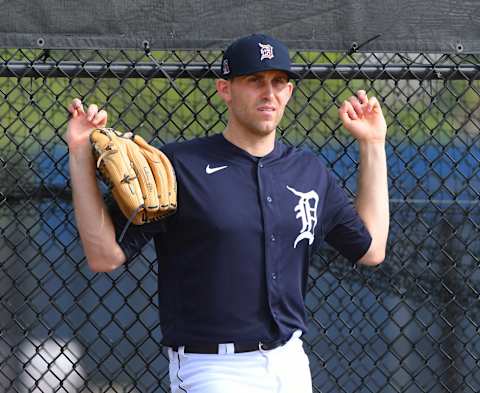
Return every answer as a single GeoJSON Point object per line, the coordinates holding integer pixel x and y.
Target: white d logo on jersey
{"type": "Point", "coordinates": [306, 210]}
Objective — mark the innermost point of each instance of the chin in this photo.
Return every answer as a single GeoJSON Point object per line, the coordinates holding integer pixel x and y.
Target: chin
{"type": "Point", "coordinates": [264, 131]}
{"type": "Point", "coordinates": [267, 127]}
{"type": "Point", "coordinates": [260, 128]}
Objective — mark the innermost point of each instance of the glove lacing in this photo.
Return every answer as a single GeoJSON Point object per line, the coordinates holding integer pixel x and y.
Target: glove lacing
{"type": "Point", "coordinates": [130, 219]}
{"type": "Point", "coordinates": [105, 154]}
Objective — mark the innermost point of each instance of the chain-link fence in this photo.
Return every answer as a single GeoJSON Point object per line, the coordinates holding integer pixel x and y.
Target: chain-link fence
{"type": "Point", "coordinates": [410, 325]}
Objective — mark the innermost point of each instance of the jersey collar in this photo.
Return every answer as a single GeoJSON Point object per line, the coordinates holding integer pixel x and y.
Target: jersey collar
{"type": "Point", "coordinates": [237, 154]}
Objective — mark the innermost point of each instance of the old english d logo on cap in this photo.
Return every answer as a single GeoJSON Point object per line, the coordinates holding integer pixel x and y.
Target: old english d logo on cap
{"type": "Point", "coordinates": [255, 53]}
{"type": "Point", "coordinates": [266, 51]}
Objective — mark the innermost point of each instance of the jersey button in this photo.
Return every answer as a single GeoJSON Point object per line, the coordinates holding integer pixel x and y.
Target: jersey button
{"type": "Point", "coordinates": [272, 238]}
{"type": "Point", "coordinates": [274, 276]}
{"type": "Point", "coordinates": [260, 164]}
{"type": "Point", "coordinates": [269, 199]}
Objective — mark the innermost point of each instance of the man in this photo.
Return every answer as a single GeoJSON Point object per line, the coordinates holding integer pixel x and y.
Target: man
{"type": "Point", "coordinates": [233, 260]}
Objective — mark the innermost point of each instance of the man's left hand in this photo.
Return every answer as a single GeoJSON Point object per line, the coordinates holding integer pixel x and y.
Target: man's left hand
{"type": "Point", "coordinates": [363, 118]}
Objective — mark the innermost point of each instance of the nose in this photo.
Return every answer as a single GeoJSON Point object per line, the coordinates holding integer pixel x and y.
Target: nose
{"type": "Point", "coordinates": [267, 89]}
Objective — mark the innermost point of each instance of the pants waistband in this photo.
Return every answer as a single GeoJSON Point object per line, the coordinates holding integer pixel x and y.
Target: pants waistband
{"type": "Point", "coordinates": [237, 347]}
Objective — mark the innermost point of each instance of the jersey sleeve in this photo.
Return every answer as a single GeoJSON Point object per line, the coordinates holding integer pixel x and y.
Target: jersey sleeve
{"type": "Point", "coordinates": [342, 227]}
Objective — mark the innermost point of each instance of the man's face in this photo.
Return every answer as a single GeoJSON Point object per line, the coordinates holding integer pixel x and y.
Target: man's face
{"type": "Point", "coordinates": [257, 101]}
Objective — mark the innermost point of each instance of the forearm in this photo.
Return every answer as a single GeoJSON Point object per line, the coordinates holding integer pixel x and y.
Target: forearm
{"type": "Point", "coordinates": [96, 229]}
{"type": "Point", "coordinates": [372, 198]}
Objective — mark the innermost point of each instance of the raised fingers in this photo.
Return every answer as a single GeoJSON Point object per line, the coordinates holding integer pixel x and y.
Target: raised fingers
{"type": "Point", "coordinates": [356, 105]}
{"type": "Point", "coordinates": [347, 113]}
{"type": "Point", "coordinates": [100, 119]}
{"type": "Point", "coordinates": [373, 104]}
{"type": "Point", "coordinates": [92, 112]}
{"type": "Point", "coordinates": [362, 97]}
{"type": "Point", "coordinates": [76, 107]}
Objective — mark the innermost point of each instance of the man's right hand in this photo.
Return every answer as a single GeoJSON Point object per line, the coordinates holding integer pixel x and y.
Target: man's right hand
{"type": "Point", "coordinates": [94, 224]}
{"type": "Point", "coordinates": [82, 123]}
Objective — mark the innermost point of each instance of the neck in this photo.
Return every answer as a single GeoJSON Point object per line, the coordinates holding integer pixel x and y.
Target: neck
{"type": "Point", "coordinates": [254, 144]}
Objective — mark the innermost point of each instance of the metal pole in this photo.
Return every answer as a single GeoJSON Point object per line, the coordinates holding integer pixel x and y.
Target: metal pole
{"type": "Point", "coordinates": [71, 69]}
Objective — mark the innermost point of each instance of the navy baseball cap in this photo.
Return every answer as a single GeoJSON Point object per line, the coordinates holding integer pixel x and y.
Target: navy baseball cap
{"type": "Point", "coordinates": [256, 53]}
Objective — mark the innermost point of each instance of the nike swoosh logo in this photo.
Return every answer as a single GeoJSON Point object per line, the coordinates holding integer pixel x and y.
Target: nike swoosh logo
{"type": "Point", "coordinates": [209, 170]}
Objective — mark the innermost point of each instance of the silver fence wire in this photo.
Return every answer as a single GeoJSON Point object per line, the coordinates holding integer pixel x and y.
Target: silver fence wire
{"type": "Point", "coordinates": [410, 325]}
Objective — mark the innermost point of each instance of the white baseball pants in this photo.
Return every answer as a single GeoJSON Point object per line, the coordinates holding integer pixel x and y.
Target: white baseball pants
{"type": "Point", "coordinates": [281, 370]}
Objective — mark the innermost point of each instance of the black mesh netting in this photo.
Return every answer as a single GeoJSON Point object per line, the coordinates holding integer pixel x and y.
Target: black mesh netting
{"type": "Point", "coordinates": [409, 325]}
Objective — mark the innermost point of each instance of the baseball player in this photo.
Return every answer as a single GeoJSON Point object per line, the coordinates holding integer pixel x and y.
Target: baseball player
{"type": "Point", "coordinates": [233, 260]}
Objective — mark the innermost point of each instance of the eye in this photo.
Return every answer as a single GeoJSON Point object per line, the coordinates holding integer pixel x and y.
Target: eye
{"type": "Point", "coordinates": [280, 81]}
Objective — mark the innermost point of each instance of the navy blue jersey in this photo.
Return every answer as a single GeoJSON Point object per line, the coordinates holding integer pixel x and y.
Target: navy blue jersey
{"type": "Point", "coordinates": [233, 260]}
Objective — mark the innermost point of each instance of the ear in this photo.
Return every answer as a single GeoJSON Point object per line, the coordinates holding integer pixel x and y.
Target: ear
{"type": "Point", "coordinates": [290, 87]}
{"type": "Point", "coordinates": [223, 89]}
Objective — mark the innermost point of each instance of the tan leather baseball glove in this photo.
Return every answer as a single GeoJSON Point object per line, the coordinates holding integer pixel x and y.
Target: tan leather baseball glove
{"type": "Point", "coordinates": [141, 177]}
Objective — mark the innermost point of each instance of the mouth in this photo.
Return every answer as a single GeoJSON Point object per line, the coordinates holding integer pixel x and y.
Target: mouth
{"type": "Point", "coordinates": [267, 109]}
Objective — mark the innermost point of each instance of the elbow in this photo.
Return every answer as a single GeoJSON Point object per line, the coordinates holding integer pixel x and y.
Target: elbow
{"type": "Point", "coordinates": [105, 263]}
{"type": "Point", "coordinates": [373, 260]}
{"type": "Point", "coordinates": [376, 252]}
{"type": "Point", "coordinates": [373, 257]}
{"type": "Point", "coordinates": [101, 266]}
